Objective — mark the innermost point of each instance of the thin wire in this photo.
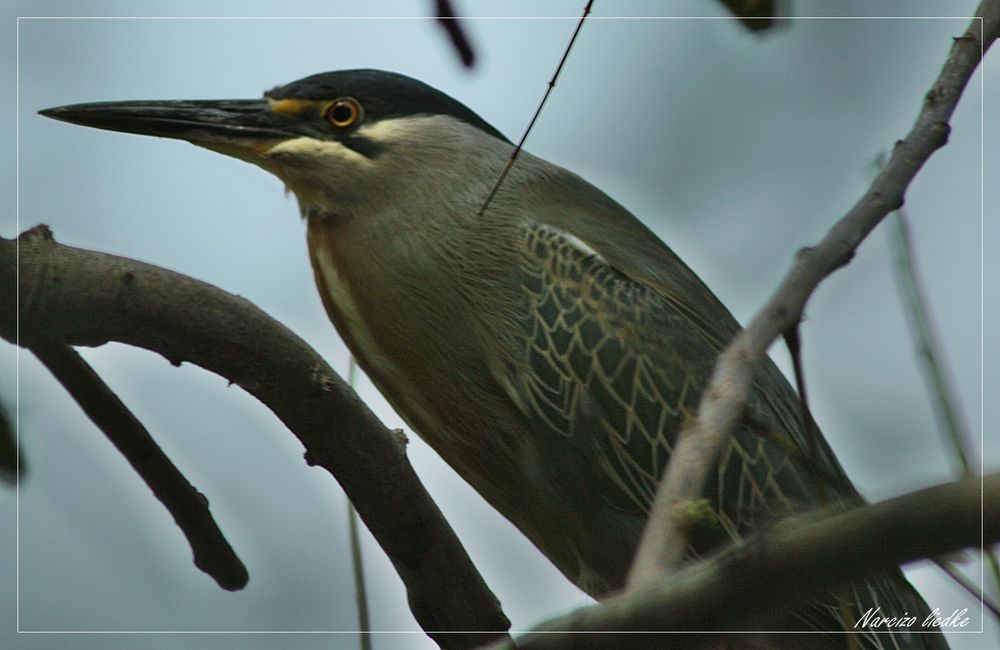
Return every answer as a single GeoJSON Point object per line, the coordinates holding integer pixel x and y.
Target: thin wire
{"type": "Point", "coordinates": [360, 589]}
{"type": "Point", "coordinates": [538, 111]}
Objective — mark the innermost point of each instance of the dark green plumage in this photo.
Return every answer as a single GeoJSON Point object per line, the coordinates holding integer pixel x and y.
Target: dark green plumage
{"type": "Point", "coordinates": [549, 348]}
{"type": "Point", "coordinates": [611, 369]}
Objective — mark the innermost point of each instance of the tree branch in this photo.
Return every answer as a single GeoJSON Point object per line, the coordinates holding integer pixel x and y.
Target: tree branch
{"type": "Point", "coordinates": [87, 298]}
{"type": "Point", "coordinates": [11, 463]}
{"type": "Point", "coordinates": [452, 26]}
{"type": "Point", "coordinates": [188, 506]}
{"type": "Point", "coordinates": [756, 15]}
{"type": "Point", "coordinates": [664, 544]}
{"type": "Point", "coordinates": [744, 587]}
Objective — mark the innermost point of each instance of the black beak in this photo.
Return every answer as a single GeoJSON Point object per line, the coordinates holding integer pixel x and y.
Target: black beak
{"type": "Point", "coordinates": [243, 122]}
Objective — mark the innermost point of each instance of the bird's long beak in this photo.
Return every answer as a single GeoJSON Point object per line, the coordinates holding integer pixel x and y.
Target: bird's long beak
{"type": "Point", "coordinates": [250, 125]}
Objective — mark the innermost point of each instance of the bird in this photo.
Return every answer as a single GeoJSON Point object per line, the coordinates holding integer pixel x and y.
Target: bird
{"type": "Point", "coordinates": [546, 344]}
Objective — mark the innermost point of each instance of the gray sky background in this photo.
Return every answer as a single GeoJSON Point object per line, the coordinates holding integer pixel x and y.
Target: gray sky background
{"type": "Point", "coordinates": [735, 149]}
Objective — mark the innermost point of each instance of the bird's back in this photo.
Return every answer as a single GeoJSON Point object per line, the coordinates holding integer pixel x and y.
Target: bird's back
{"type": "Point", "coordinates": [616, 341]}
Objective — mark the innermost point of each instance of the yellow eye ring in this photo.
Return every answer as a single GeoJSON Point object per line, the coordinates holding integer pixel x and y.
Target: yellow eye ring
{"type": "Point", "coordinates": [343, 112]}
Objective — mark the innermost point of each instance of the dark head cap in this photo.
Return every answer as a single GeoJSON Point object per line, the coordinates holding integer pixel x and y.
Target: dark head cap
{"type": "Point", "coordinates": [382, 94]}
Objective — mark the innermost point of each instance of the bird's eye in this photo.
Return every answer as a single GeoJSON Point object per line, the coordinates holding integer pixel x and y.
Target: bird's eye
{"type": "Point", "coordinates": [343, 112]}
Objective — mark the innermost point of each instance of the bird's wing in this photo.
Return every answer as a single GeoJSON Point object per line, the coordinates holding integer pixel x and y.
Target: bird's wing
{"type": "Point", "coordinates": [611, 367]}
{"type": "Point", "coordinates": [634, 251]}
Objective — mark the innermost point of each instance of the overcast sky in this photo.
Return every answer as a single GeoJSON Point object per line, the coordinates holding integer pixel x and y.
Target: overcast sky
{"type": "Point", "coordinates": [735, 149]}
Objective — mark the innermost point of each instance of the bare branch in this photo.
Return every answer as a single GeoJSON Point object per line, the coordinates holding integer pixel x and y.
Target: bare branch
{"type": "Point", "coordinates": [83, 297]}
{"type": "Point", "coordinates": [188, 506]}
{"type": "Point", "coordinates": [953, 426]}
{"type": "Point", "coordinates": [11, 463]}
{"type": "Point", "coordinates": [453, 27]}
{"type": "Point", "coordinates": [944, 395]}
{"type": "Point", "coordinates": [756, 15]}
{"type": "Point", "coordinates": [664, 544]}
{"type": "Point", "coordinates": [744, 587]}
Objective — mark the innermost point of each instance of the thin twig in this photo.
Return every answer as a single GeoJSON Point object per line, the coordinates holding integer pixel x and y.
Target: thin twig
{"type": "Point", "coordinates": [928, 346]}
{"type": "Point", "coordinates": [538, 110]}
{"type": "Point", "coordinates": [188, 506]}
{"type": "Point", "coordinates": [453, 27]}
{"type": "Point", "coordinates": [664, 543]}
{"type": "Point", "coordinates": [11, 464]}
{"type": "Point", "coordinates": [973, 589]}
{"type": "Point", "coordinates": [357, 561]}
{"type": "Point", "coordinates": [756, 15]}
{"type": "Point", "coordinates": [942, 391]}
{"type": "Point", "coordinates": [793, 341]}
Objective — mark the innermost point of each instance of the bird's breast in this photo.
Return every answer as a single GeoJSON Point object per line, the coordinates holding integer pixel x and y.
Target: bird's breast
{"type": "Point", "coordinates": [414, 340]}
{"type": "Point", "coordinates": [394, 335]}
{"type": "Point", "coordinates": [340, 282]}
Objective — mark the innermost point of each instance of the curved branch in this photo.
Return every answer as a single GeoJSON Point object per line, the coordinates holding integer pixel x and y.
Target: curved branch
{"type": "Point", "coordinates": [744, 587]}
{"type": "Point", "coordinates": [88, 298]}
{"type": "Point", "coordinates": [664, 544]}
